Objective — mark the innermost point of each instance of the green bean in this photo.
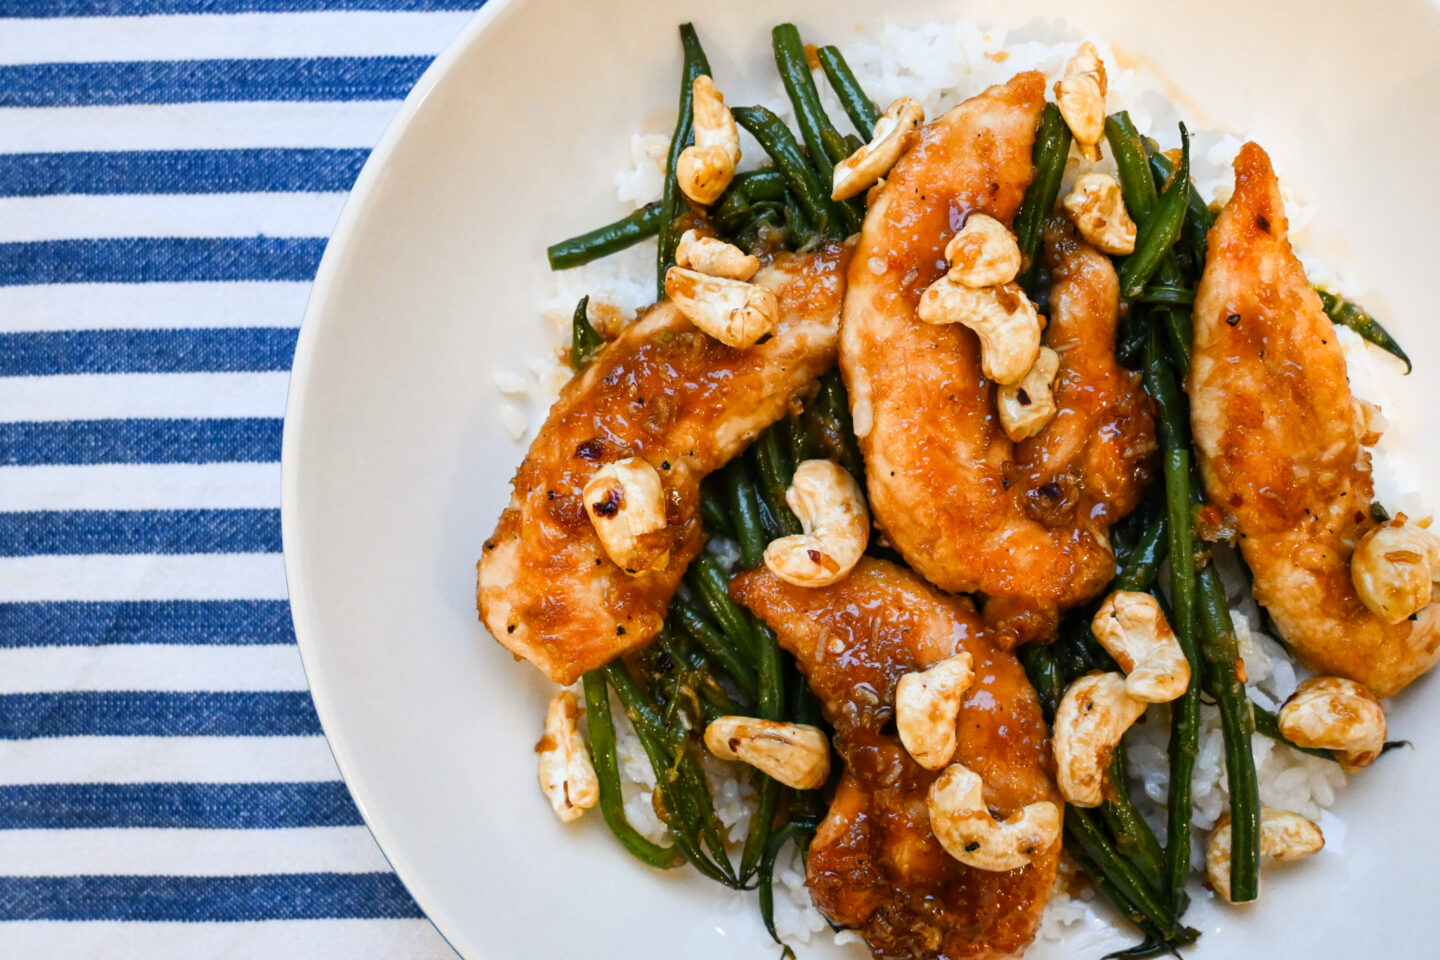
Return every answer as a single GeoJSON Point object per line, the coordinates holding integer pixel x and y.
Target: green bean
{"type": "Point", "coordinates": [799, 832]}
{"type": "Point", "coordinates": [713, 511]}
{"type": "Point", "coordinates": [1160, 383]}
{"type": "Point", "coordinates": [858, 106]}
{"type": "Point", "coordinates": [1134, 840]}
{"type": "Point", "coordinates": [771, 706]}
{"type": "Point", "coordinates": [1198, 219]}
{"type": "Point", "coordinates": [1155, 942]}
{"type": "Point", "coordinates": [1269, 724]}
{"type": "Point", "coordinates": [1052, 146]}
{"type": "Point", "coordinates": [835, 146]}
{"type": "Point", "coordinates": [804, 182]}
{"type": "Point", "coordinates": [1160, 229]}
{"type": "Point", "coordinates": [671, 200]}
{"type": "Point", "coordinates": [603, 241]}
{"type": "Point", "coordinates": [1166, 295]}
{"type": "Point", "coordinates": [1126, 880]}
{"type": "Point", "coordinates": [712, 584]}
{"type": "Point", "coordinates": [797, 440]}
{"type": "Point", "coordinates": [775, 473]}
{"type": "Point", "coordinates": [702, 668]}
{"type": "Point", "coordinates": [682, 783]}
{"type": "Point", "coordinates": [1144, 561]}
{"type": "Point", "coordinates": [759, 185]}
{"type": "Point", "coordinates": [1347, 314]}
{"type": "Point", "coordinates": [1130, 338]}
{"type": "Point", "coordinates": [1045, 676]}
{"type": "Point", "coordinates": [745, 509]}
{"type": "Point", "coordinates": [835, 430]}
{"type": "Point", "coordinates": [749, 196]}
{"type": "Point", "coordinates": [607, 771]}
{"type": "Point", "coordinates": [737, 662]}
{"type": "Point", "coordinates": [1222, 666]}
{"type": "Point", "coordinates": [584, 341]}
{"type": "Point", "coordinates": [1136, 183]}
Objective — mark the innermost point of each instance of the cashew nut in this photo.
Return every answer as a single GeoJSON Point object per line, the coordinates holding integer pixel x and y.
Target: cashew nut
{"type": "Point", "coordinates": [891, 137]}
{"type": "Point", "coordinates": [1092, 717]}
{"type": "Point", "coordinates": [626, 504]}
{"type": "Point", "coordinates": [831, 509]}
{"type": "Point", "coordinates": [1097, 208]}
{"type": "Point", "coordinates": [983, 253]}
{"type": "Point", "coordinates": [705, 168]}
{"type": "Point", "coordinates": [796, 754]}
{"type": "Point", "coordinates": [962, 823]}
{"type": "Point", "coordinates": [926, 705]}
{"type": "Point", "coordinates": [1132, 629]}
{"type": "Point", "coordinates": [1027, 407]}
{"type": "Point", "coordinates": [566, 774]}
{"type": "Point", "coordinates": [1002, 317]}
{"type": "Point", "coordinates": [714, 257]}
{"type": "Point", "coordinates": [732, 311]}
{"type": "Point", "coordinates": [1283, 836]}
{"type": "Point", "coordinates": [1332, 713]}
{"type": "Point", "coordinates": [1396, 569]}
{"type": "Point", "coordinates": [1081, 99]}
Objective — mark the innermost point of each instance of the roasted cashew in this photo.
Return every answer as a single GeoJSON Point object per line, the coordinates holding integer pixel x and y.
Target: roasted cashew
{"type": "Point", "coordinates": [962, 823]}
{"type": "Point", "coordinates": [1002, 317]}
{"type": "Point", "coordinates": [732, 311]}
{"type": "Point", "coordinates": [926, 705]}
{"type": "Point", "coordinates": [1092, 717]}
{"type": "Point", "coordinates": [982, 253]}
{"type": "Point", "coordinates": [1396, 569]}
{"type": "Point", "coordinates": [1027, 407]}
{"type": "Point", "coordinates": [795, 754]}
{"type": "Point", "coordinates": [831, 509]}
{"type": "Point", "coordinates": [1283, 836]}
{"type": "Point", "coordinates": [1332, 713]}
{"type": "Point", "coordinates": [566, 774]}
{"type": "Point", "coordinates": [1132, 629]}
{"type": "Point", "coordinates": [892, 136]}
{"type": "Point", "coordinates": [626, 504]}
{"type": "Point", "coordinates": [1097, 208]}
{"type": "Point", "coordinates": [1081, 99]}
{"type": "Point", "coordinates": [705, 168]}
{"type": "Point", "coordinates": [714, 257]}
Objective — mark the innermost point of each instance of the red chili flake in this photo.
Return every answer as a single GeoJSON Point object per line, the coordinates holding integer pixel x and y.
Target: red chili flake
{"type": "Point", "coordinates": [814, 555]}
{"type": "Point", "coordinates": [591, 450]}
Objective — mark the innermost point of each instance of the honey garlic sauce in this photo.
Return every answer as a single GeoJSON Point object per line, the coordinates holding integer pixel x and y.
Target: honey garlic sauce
{"type": "Point", "coordinates": [875, 865]}
{"type": "Point", "coordinates": [666, 392]}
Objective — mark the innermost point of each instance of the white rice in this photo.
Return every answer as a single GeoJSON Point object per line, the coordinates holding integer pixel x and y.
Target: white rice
{"type": "Point", "coordinates": [941, 65]}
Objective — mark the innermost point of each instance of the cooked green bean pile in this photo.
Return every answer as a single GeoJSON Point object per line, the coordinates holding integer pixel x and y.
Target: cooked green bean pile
{"type": "Point", "coordinates": [715, 658]}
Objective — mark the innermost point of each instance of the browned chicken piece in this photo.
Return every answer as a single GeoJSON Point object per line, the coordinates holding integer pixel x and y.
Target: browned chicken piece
{"type": "Point", "coordinates": [683, 402]}
{"type": "Point", "coordinates": [1280, 443]}
{"type": "Point", "coordinates": [1024, 524]}
{"type": "Point", "coordinates": [874, 864]}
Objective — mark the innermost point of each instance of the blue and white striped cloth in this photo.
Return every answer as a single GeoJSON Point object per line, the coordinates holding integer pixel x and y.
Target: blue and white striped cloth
{"type": "Point", "coordinates": [169, 173]}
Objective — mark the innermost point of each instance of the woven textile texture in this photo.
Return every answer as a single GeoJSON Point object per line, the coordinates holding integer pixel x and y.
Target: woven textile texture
{"type": "Point", "coordinates": [169, 173]}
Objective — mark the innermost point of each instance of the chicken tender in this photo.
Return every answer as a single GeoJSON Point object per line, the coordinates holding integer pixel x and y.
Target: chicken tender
{"type": "Point", "coordinates": [683, 402]}
{"type": "Point", "coordinates": [874, 864]}
{"type": "Point", "coordinates": [1280, 443]}
{"type": "Point", "coordinates": [1024, 524]}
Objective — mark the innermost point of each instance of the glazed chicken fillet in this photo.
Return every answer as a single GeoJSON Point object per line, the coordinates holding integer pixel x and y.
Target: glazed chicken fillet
{"type": "Point", "coordinates": [874, 864]}
{"type": "Point", "coordinates": [686, 403]}
{"type": "Point", "coordinates": [1026, 524]}
{"type": "Point", "coordinates": [1280, 443]}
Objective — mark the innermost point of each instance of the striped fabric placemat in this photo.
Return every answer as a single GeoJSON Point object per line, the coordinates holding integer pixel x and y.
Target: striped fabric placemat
{"type": "Point", "coordinates": [169, 173]}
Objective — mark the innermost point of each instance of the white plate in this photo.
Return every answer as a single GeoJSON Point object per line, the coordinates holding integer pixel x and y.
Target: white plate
{"type": "Point", "coordinates": [395, 465]}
